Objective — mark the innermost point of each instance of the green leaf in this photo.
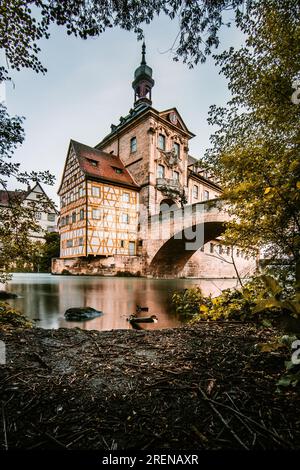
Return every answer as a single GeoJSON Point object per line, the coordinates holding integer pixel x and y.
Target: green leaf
{"type": "Point", "coordinates": [272, 284]}
{"type": "Point", "coordinates": [285, 381]}
{"type": "Point", "coordinates": [266, 304]}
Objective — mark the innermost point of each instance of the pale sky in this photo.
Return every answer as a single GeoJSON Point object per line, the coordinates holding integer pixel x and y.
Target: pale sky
{"type": "Point", "coordinates": [88, 87]}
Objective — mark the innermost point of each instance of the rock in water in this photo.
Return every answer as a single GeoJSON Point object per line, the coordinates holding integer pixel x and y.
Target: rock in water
{"type": "Point", "coordinates": [7, 295]}
{"type": "Point", "coordinates": [81, 313]}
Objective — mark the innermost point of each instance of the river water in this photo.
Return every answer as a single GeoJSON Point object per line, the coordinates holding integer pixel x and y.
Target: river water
{"type": "Point", "coordinates": [45, 298]}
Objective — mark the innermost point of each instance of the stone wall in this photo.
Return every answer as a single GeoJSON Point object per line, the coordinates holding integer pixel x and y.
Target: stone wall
{"type": "Point", "coordinates": [98, 265]}
{"type": "Point", "coordinates": [203, 265]}
{"type": "Point", "coordinates": [200, 265]}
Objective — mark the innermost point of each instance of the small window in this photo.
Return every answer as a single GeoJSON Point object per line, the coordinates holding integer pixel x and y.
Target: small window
{"type": "Point", "coordinates": [195, 192]}
{"type": "Point", "coordinates": [67, 220]}
{"type": "Point", "coordinates": [176, 148]}
{"type": "Point", "coordinates": [237, 253]}
{"type": "Point", "coordinates": [125, 218]}
{"type": "Point", "coordinates": [131, 248]}
{"type": "Point", "coordinates": [95, 191]}
{"type": "Point", "coordinates": [80, 241]}
{"type": "Point", "coordinates": [92, 162]}
{"type": "Point", "coordinates": [206, 195]}
{"type": "Point", "coordinates": [73, 217]}
{"type": "Point", "coordinates": [96, 214]}
{"type": "Point", "coordinates": [220, 249]}
{"type": "Point", "coordinates": [51, 217]}
{"type": "Point", "coordinates": [81, 214]}
{"type": "Point", "coordinates": [133, 144]}
{"type": "Point", "coordinates": [69, 243]}
{"type": "Point", "coordinates": [38, 216]}
{"type": "Point", "coordinates": [62, 222]}
{"type": "Point", "coordinates": [176, 175]}
{"type": "Point", "coordinates": [72, 197]}
{"type": "Point", "coordinates": [119, 171]}
{"type": "Point", "coordinates": [50, 228]}
{"type": "Point", "coordinates": [81, 191]}
{"type": "Point", "coordinates": [228, 251]}
{"type": "Point", "coordinates": [160, 171]}
{"type": "Point", "coordinates": [162, 142]}
{"type": "Point", "coordinates": [211, 248]}
{"type": "Point", "coordinates": [126, 197]}
{"type": "Point", "coordinates": [122, 243]}
{"type": "Point", "coordinates": [63, 201]}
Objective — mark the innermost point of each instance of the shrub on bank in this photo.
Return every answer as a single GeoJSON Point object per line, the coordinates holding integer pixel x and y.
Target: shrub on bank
{"type": "Point", "coordinates": [262, 300]}
{"type": "Point", "coordinates": [11, 318]}
{"type": "Point", "coordinates": [187, 302]}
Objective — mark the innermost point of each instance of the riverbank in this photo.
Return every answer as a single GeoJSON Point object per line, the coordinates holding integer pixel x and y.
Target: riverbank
{"type": "Point", "coordinates": [200, 387]}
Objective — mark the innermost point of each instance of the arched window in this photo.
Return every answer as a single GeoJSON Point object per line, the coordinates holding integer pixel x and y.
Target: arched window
{"type": "Point", "coordinates": [133, 144]}
{"type": "Point", "coordinates": [176, 148]}
{"type": "Point", "coordinates": [167, 205]}
{"type": "Point", "coordinates": [162, 142]}
{"type": "Point", "coordinates": [160, 171]}
{"type": "Point", "coordinates": [175, 175]}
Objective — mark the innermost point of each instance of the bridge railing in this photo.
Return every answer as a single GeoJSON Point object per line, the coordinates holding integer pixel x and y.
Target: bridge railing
{"type": "Point", "coordinates": [202, 207]}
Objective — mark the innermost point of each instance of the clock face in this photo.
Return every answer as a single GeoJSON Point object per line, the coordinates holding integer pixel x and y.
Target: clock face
{"type": "Point", "coordinates": [173, 117]}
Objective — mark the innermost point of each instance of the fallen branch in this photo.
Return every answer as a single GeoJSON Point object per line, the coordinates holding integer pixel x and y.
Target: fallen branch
{"type": "Point", "coordinates": [4, 428]}
{"type": "Point", "coordinates": [222, 419]}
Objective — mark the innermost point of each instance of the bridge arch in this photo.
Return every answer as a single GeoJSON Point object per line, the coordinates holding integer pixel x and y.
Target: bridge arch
{"type": "Point", "coordinates": [172, 237]}
{"type": "Point", "coordinates": [174, 253]}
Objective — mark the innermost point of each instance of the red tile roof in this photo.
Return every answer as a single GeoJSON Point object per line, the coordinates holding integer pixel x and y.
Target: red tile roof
{"type": "Point", "coordinates": [7, 196]}
{"type": "Point", "coordinates": [106, 165]}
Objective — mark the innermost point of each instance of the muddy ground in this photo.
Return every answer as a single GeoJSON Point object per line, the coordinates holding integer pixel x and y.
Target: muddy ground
{"type": "Point", "coordinates": [200, 387]}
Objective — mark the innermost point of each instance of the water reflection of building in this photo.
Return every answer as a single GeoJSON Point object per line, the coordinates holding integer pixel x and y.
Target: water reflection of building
{"type": "Point", "coordinates": [47, 298]}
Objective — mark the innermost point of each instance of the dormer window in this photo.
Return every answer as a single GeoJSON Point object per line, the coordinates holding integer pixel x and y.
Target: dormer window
{"type": "Point", "coordinates": [133, 144]}
{"type": "Point", "coordinates": [119, 171]}
{"type": "Point", "coordinates": [92, 162]}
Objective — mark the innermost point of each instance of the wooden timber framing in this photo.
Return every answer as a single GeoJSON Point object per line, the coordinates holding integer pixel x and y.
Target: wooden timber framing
{"type": "Point", "coordinates": [99, 215]}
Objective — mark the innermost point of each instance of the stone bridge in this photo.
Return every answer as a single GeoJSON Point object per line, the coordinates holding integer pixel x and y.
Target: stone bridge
{"type": "Point", "coordinates": [172, 237]}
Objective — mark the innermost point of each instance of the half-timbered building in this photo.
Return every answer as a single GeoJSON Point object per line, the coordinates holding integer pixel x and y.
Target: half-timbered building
{"type": "Point", "coordinates": [99, 204]}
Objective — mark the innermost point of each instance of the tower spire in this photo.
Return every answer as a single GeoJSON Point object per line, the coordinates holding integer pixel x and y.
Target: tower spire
{"type": "Point", "coordinates": [143, 54]}
{"type": "Point", "coordinates": [143, 81]}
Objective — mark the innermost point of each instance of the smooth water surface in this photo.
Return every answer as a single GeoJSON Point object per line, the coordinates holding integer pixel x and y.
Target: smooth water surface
{"type": "Point", "coordinates": [45, 297]}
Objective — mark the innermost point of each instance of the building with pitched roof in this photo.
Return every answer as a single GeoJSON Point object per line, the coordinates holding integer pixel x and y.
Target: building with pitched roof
{"type": "Point", "coordinates": [45, 213]}
{"type": "Point", "coordinates": [99, 204]}
{"type": "Point", "coordinates": [108, 192]}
